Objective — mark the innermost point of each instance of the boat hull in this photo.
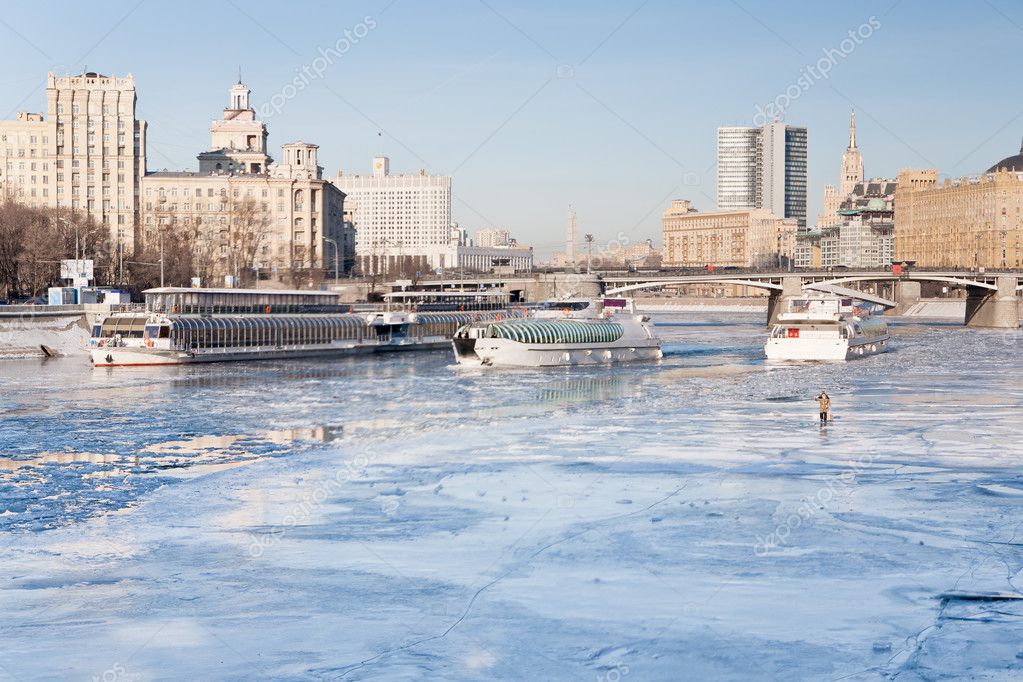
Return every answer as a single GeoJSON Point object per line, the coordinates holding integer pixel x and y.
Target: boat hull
{"type": "Point", "coordinates": [823, 350]}
{"type": "Point", "coordinates": [153, 357]}
{"type": "Point", "coordinates": [491, 352]}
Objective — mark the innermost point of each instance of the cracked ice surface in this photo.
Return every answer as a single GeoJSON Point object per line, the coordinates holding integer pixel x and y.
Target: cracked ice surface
{"type": "Point", "coordinates": [392, 518]}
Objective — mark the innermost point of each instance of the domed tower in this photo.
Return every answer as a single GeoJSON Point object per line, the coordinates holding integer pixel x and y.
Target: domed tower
{"type": "Point", "coordinates": [1010, 163]}
{"type": "Point", "coordinates": [237, 140]}
{"type": "Point", "coordinates": [299, 162]}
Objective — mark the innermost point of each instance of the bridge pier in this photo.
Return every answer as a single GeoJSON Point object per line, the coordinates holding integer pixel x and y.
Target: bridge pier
{"type": "Point", "coordinates": [997, 309]}
{"type": "Point", "coordinates": [564, 285]}
{"type": "Point", "coordinates": [907, 295]}
{"type": "Point", "coordinates": [791, 287]}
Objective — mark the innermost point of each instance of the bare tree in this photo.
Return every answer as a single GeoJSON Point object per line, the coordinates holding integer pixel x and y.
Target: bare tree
{"type": "Point", "coordinates": [249, 232]}
{"type": "Point", "coordinates": [33, 241]}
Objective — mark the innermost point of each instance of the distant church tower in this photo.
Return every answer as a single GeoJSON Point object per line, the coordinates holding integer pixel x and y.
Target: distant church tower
{"type": "Point", "coordinates": [852, 162]}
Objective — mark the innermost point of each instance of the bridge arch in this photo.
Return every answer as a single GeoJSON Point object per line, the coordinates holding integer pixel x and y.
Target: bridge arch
{"type": "Point", "coordinates": [657, 284]}
{"type": "Point", "coordinates": [913, 277]}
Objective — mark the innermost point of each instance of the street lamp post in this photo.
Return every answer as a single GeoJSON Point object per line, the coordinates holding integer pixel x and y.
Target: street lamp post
{"type": "Point", "coordinates": [337, 257]}
{"type": "Point", "coordinates": [75, 226]}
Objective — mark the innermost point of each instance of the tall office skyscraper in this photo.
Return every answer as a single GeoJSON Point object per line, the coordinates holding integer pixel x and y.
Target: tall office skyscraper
{"type": "Point", "coordinates": [763, 168]}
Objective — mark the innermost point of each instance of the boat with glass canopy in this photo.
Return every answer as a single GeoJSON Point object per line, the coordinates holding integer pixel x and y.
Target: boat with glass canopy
{"type": "Point", "coordinates": [182, 326]}
{"type": "Point", "coordinates": [572, 332]}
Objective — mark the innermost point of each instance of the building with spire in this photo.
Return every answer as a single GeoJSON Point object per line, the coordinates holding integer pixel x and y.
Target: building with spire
{"type": "Point", "coordinates": [242, 214]}
{"type": "Point", "coordinates": [856, 226]}
{"type": "Point", "coordinates": [851, 174]}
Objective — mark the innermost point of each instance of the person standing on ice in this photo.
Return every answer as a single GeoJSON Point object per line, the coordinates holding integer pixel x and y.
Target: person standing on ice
{"type": "Point", "coordinates": [825, 404]}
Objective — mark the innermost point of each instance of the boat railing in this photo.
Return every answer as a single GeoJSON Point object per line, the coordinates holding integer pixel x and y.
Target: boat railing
{"type": "Point", "coordinates": [282, 309]}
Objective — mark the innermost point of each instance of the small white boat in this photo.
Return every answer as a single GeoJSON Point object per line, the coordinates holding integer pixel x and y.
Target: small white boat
{"type": "Point", "coordinates": [572, 332]}
{"type": "Point", "coordinates": [826, 327]}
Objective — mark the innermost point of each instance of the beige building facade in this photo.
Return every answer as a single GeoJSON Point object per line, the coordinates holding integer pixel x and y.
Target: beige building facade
{"type": "Point", "coordinates": [965, 223]}
{"type": "Point", "coordinates": [736, 238]}
{"type": "Point", "coordinates": [88, 152]}
{"type": "Point", "coordinates": [246, 213]}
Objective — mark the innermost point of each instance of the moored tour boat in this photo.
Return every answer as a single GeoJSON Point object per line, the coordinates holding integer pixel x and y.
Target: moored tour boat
{"type": "Point", "coordinates": [183, 326]}
{"type": "Point", "coordinates": [826, 327]}
{"type": "Point", "coordinates": [573, 332]}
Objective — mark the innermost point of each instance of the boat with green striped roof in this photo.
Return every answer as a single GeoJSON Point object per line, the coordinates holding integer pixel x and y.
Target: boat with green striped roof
{"type": "Point", "coordinates": [559, 333]}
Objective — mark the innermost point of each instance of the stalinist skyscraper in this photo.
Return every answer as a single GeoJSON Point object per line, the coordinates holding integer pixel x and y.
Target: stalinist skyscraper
{"type": "Point", "coordinates": [852, 173]}
{"type": "Point", "coordinates": [852, 162]}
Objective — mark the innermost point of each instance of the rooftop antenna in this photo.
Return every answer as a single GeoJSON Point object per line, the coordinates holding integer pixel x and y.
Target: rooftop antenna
{"type": "Point", "coordinates": [239, 74]}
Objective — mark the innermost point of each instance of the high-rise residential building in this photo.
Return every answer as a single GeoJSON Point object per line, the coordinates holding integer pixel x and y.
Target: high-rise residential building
{"type": "Point", "coordinates": [738, 152]}
{"type": "Point", "coordinates": [973, 222]}
{"type": "Point", "coordinates": [402, 222]}
{"type": "Point", "coordinates": [88, 152]}
{"type": "Point", "coordinates": [493, 237]}
{"type": "Point", "coordinates": [850, 174]}
{"type": "Point", "coordinates": [763, 168]}
{"type": "Point", "coordinates": [852, 162]}
{"type": "Point", "coordinates": [242, 211]}
{"type": "Point", "coordinates": [736, 238]}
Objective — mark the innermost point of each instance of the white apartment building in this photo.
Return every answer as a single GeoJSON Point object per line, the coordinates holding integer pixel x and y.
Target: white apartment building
{"type": "Point", "coordinates": [401, 221]}
{"type": "Point", "coordinates": [738, 148]}
{"type": "Point", "coordinates": [493, 237]}
{"type": "Point", "coordinates": [88, 152]}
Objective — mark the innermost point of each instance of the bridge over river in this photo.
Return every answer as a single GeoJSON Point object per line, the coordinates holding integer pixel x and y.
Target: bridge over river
{"type": "Point", "coordinates": [992, 298]}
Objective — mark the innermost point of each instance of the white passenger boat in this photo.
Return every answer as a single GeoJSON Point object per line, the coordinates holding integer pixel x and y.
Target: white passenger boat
{"type": "Point", "coordinates": [825, 327]}
{"type": "Point", "coordinates": [574, 332]}
{"type": "Point", "coordinates": [181, 326]}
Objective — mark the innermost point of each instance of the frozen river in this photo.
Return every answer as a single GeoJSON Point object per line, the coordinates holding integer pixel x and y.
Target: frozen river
{"type": "Point", "coordinates": [393, 518]}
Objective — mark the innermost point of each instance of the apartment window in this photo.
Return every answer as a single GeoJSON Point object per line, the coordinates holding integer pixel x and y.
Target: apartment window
{"type": "Point", "coordinates": [74, 109]}
{"type": "Point", "coordinates": [60, 108]}
{"type": "Point", "coordinates": [120, 163]}
{"type": "Point", "coordinates": [120, 177]}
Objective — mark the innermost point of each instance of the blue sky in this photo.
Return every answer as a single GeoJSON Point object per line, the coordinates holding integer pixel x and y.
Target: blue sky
{"type": "Point", "coordinates": [532, 106]}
